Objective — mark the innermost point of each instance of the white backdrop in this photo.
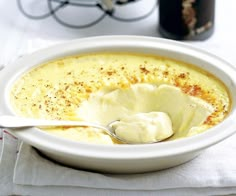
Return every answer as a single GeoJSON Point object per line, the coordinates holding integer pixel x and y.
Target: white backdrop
{"type": "Point", "coordinates": [19, 34]}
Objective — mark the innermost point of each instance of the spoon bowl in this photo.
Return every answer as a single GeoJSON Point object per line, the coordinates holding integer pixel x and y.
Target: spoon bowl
{"type": "Point", "coordinates": [14, 122]}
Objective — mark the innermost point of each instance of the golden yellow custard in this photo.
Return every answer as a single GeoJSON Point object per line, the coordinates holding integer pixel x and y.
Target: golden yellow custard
{"type": "Point", "coordinates": [102, 87]}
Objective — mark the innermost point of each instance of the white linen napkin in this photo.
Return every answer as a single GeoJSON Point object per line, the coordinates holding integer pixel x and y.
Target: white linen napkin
{"type": "Point", "coordinates": [8, 150]}
{"type": "Point", "coordinates": [28, 173]}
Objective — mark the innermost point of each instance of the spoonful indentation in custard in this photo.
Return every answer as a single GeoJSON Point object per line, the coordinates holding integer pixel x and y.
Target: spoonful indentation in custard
{"type": "Point", "coordinates": [147, 113]}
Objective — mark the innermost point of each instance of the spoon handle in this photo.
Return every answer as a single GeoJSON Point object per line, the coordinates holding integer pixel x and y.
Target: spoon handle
{"type": "Point", "coordinates": [20, 122]}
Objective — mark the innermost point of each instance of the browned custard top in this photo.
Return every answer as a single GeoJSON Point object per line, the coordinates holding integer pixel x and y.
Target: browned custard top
{"type": "Point", "coordinates": [55, 90]}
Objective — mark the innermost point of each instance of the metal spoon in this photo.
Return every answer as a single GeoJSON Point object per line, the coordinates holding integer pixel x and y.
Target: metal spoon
{"type": "Point", "coordinates": [14, 122]}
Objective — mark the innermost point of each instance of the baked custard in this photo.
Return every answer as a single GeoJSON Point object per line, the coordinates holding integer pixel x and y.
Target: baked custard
{"type": "Point", "coordinates": [153, 97]}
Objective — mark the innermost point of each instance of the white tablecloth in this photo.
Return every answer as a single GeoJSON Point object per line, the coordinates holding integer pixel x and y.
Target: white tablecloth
{"type": "Point", "coordinates": [24, 172]}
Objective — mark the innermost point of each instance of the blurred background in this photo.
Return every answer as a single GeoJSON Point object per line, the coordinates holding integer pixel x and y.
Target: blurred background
{"type": "Point", "coordinates": [28, 25]}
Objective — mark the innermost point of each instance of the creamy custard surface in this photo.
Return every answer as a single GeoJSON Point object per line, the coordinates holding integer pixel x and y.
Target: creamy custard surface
{"type": "Point", "coordinates": [60, 89]}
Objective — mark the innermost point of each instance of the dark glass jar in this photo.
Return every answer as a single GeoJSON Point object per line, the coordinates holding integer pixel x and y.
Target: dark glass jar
{"type": "Point", "coordinates": [186, 19]}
